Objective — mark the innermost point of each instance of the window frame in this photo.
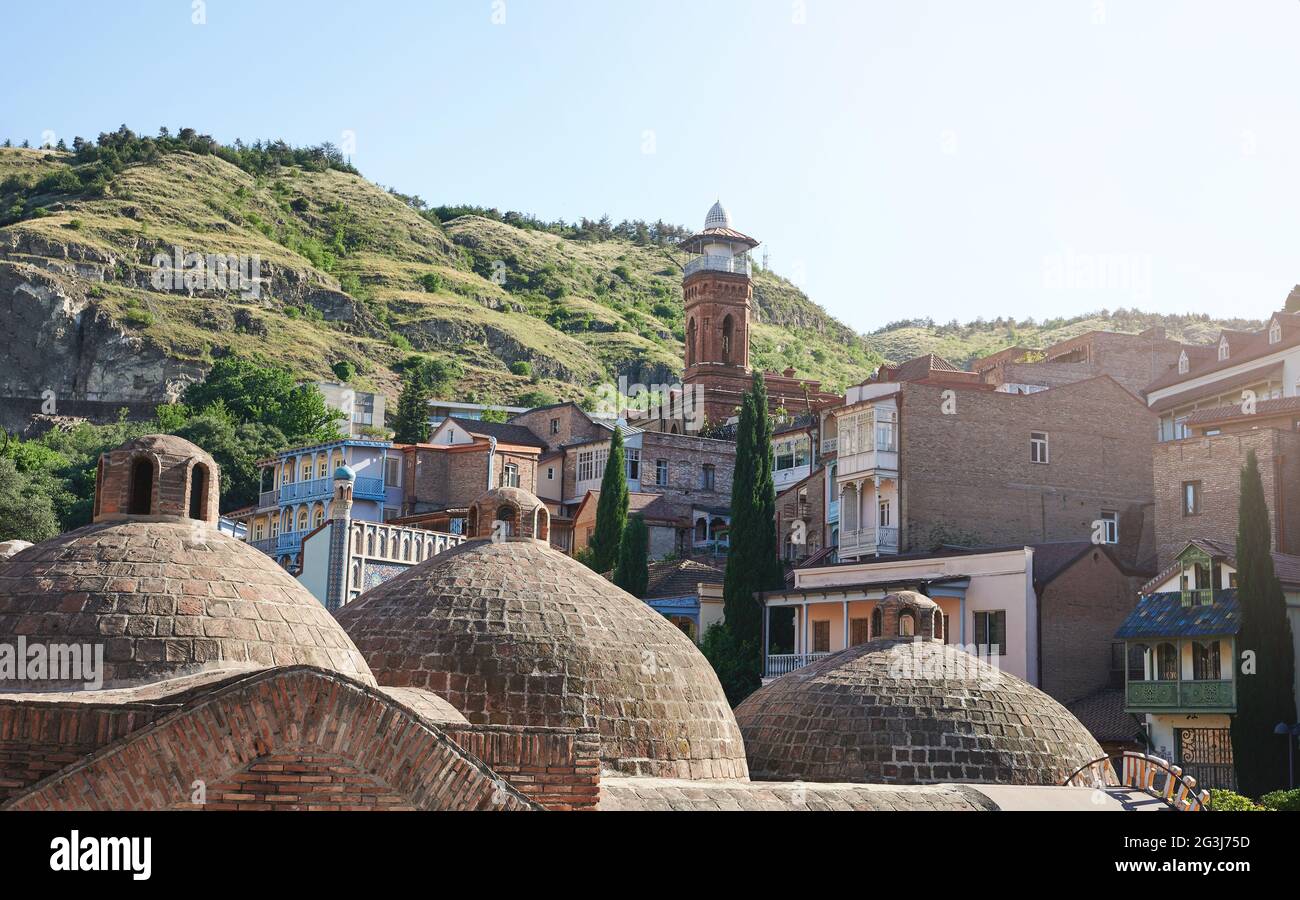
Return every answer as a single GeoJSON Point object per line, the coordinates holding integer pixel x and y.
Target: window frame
{"type": "Point", "coordinates": [983, 636]}
{"type": "Point", "coordinates": [1041, 439]}
{"type": "Point", "coordinates": [1197, 506]}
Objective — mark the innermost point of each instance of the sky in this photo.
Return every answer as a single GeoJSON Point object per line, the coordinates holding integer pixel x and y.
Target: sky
{"type": "Point", "coordinates": [949, 160]}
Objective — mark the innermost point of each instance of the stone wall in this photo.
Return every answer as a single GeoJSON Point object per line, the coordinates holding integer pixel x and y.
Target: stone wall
{"type": "Point", "coordinates": [557, 768]}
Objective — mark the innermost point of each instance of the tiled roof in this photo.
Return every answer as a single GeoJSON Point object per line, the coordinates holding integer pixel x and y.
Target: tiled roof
{"type": "Point", "coordinates": [680, 578]}
{"type": "Point", "coordinates": [502, 431]}
{"type": "Point", "coordinates": [1263, 409]}
{"type": "Point", "coordinates": [1286, 566]}
{"type": "Point", "coordinates": [1163, 615]}
{"type": "Point", "coordinates": [1103, 714]}
{"type": "Point", "coordinates": [1243, 346]}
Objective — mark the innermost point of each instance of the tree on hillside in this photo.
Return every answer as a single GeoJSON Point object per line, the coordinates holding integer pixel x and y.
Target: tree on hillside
{"type": "Point", "coordinates": [1293, 300]}
{"type": "Point", "coordinates": [611, 510]}
{"type": "Point", "coordinates": [253, 391]}
{"type": "Point", "coordinates": [411, 421]}
{"type": "Point", "coordinates": [26, 512]}
{"type": "Point", "coordinates": [1266, 697]}
{"type": "Point", "coordinates": [632, 573]}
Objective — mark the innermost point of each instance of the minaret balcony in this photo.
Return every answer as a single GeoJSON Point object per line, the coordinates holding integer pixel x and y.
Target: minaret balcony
{"type": "Point", "coordinates": [734, 265]}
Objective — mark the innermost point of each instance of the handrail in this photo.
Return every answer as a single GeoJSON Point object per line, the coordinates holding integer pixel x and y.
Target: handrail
{"type": "Point", "coordinates": [1139, 770]}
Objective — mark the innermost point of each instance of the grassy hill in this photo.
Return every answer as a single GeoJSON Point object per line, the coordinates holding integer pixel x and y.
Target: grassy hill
{"type": "Point", "coordinates": [358, 273]}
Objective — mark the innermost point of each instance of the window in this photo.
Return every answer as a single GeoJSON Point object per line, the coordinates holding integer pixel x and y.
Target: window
{"type": "Point", "coordinates": [142, 487]}
{"type": "Point", "coordinates": [946, 639]}
{"type": "Point", "coordinates": [259, 530]}
{"type": "Point", "coordinates": [876, 622]}
{"type": "Point", "coordinates": [1038, 447]}
{"type": "Point", "coordinates": [884, 519]}
{"type": "Point", "coordinates": [1110, 527]}
{"type": "Point", "coordinates": [322, 466]}
{"type": "Point", "coordinates": [510, 475]}
{"type": "Point", "coordinates": [991, 631]}
{"type": "Point", "coordinates": [305, 474]}
{"type": "Point", "coordinates": [790, 454]}
{"type": "Point", "coordinates": [632, 458]}
{"type": "Point", "coordinates": [1205, 661]}
{"type": "Point", "coordinates": [318, 516]}
{"type": "Point", "coordinates": [1275, 332]}
{"type": "Point", "coordinates": [302, 518]}
{"type": "Point", "coordinates": [1223, 348]}
{"type": "Point", "coordinates": [906, 623]}
{"type": "Point", "coordinates": [1184, 364]}
{"type": "Point", "coordinates": [586, 465]}
{"type": "Point", "coordinates": [392, 471]}
{"type": "Point", "coordinates": [858, 633]}
{"type": "Point", "coordinates": [199, 492]}
{"type": "Point", "coordinates": [555, 426]}
{"type": "Point", "coordinates": [661, 472]}
{"type": "Point", "coordinates": [821, 636]}
{"type": "Point", "coordinates": [1191, 498]}
{"type": "Point", "coordinates": [275, 527]}
{"type": "Point", "coordinates": [550, 473]}
{"type": "Point", "coordinates": [886, 431]}
{"type": "Point", "coordinates": [1166, 662]}
{"type": "Point", "coordinates": [707, 477]}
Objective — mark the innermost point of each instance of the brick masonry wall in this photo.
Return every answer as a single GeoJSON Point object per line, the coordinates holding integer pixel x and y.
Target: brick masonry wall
{"type": "Point", "coordinates": [1217, 462]}
{"type": "Point", "coordinates": [556, 768]}
{"type": "Point", "coordinates": [813, 514]}
{"type": "Point", "coordinates": [442, 479]}
{"type": "Point", "coordinates": [686, 456]}
{"type": "Point", "coordinates": [301, 782]}
{"type": "Point", "coordinates": [39, 739]}
{"type": "Point", "coordinates": [1080, 612]}
{"type": "Point", "coordinates": [971, 473]}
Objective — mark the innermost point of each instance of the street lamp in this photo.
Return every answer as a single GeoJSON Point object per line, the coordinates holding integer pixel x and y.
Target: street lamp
{"type": "Point", "coordinates": [1291, 731]}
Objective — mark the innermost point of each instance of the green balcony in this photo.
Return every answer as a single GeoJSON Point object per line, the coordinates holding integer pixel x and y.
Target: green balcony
{"type": "Point", "coordinates": [1181, 696]}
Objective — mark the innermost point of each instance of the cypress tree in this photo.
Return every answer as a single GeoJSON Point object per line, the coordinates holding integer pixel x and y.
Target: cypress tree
{"type": "Point", "coordinates": [633, 571]}
{"type": "Point", "coordinates": [1266, 697]}
{"type": "Point", "coordinates": [772, 575]}
{"type": "Point", "coordinates": [411, 422]}
{"type": "Point", "coordinates": [611, 511]}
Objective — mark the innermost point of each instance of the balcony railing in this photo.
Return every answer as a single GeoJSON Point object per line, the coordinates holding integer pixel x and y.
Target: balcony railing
{"type": "Point", "coordinates": [1202, 597]}
{"type": "Point", "coordinates": [779, 664]}
{"type": "Point", "coordinates": [1182, 695]}
{"type": "Point", "coordinates": [830, 445]}
{"type": "Point", "coordinates": [306, 490]}
{"type": "Point", "coordinates": [369, 489]}
{"type": "Point", "coordinates": [735, 265]}
{"type": "Point", "coordinates": [868, 541]}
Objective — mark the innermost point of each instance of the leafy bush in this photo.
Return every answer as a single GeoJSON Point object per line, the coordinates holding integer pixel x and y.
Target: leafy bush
{"type": "Point", "coordinates": [344, 371]}
{"type": "Point", "coordinates": [1230, 801]}
{"type": "Point", "coordinates": [521, 367]}
{"type": "Point", "coordinates": [431, 282]}
{"type": "Point", "coordinates": [1282, 801]}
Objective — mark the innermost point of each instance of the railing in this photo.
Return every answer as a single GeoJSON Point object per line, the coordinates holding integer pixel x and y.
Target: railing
{"type": "Point", "coordinates": [778, 664]}
{"type": "Point", "coordinates": [268, 499]}
{"type": "Point", "coordinates": [1174, 695]}
{"type": "Point", "coordinates": [833, 511]}
{"type": "Point", "coordinates": [1140, 771]}
{"type": "Point", "coordinates": [1202, 597]}
{"type": "Point", "coordinates": [863, 541]}
{"type": "Point", "coordinates": [736, 265]}
{"type": "Point", "coordinates": [398, 543]}
{"type": "Point", "coordinates": [306, 490]}
{"type": "Point", "coordinates": [830, 445]}
{"type": "Point", "coordinates": [369, 489]}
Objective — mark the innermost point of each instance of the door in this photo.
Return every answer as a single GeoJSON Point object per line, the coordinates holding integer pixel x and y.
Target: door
{"type": "Point", "coordinates": [1206, 755]}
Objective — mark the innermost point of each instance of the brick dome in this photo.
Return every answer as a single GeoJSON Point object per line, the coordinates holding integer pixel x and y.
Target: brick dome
{"type": "Point", "coordinates": [513, 632]}
{"type": "Point", "coordinates": [909, 710]}
{"type": "Point", "coordinates": [164, 594]}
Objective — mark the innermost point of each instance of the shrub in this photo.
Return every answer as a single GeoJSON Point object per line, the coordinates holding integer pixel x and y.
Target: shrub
{"type": "Point", "coordinates": [1230, 801]}
{"type": "Point", "coordinates": [521, 367]}
{"type": "Point", "coordinates": [431, 282]}
{"type": "Point", "coordinates": [344, 371]}
{"type": "Point", "coordinates": [1282, 801]}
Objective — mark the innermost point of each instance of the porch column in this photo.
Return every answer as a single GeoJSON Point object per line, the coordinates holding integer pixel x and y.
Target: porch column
{"type": "Point", "coordinates": [846, 623]}
{"type": "Point", "coordinates": [804, 630]}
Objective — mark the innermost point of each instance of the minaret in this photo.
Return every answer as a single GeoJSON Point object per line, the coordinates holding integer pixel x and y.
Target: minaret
{"type": "Point", "coordinates": [336, 590]}
{"type": "Point", "coordinates": [717, 292]}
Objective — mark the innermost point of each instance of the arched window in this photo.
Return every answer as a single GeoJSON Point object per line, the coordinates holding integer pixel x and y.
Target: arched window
{"type": "Point", "coordinates": [322, 466]}
{"type": "Point", "coordinates": [849, 508]}
{"type": "Point", "coordinates": [906, 623]}
{"type": "Point", "coordinates": [1166, 662]}
{"type": "Point", "coordinates": [937, 629]}
{"type": "Point", "coordinates": [318, 516]}
{"type": "Point", "coordinates": [690, 343]}
{"type": "Point", "coordinates": [199, 491]}
{"type": "Point", "coordinates": [472, 529]}
{"type": "Point", "coordinates": [305, 470]}
{"type": "Point", "coordinates": [507, 514]}
{"type": "Point", "coordinates": [877, 622]}
{"type": "Point", "coordinates": [1206, 665]}
{"type": "Point", "coordinates": [727, 329]}
{"type": "Point", "coordinates": [302, 518]}
{"type": "Point", "coordinates": [702, 530]}
{"type": "Point", "coordinates": [142, 487]}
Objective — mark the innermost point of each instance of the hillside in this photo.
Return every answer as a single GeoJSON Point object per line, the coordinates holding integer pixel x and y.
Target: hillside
{"type": "Point", "coordinates": [354, 272]}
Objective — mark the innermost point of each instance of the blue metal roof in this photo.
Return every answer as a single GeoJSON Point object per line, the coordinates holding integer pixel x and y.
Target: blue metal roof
{"type": "Point", "coordinates": [1163, 615]}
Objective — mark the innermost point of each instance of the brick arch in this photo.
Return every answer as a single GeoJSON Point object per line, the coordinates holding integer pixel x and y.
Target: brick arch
{"type": "Point", "coordinates": [300, 717]}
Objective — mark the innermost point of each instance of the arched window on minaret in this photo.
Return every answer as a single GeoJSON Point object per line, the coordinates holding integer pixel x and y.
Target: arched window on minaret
{"type": "Point", "coordinates": [690, 343]}
{"type": "Point", "coordinates": [727, 328]}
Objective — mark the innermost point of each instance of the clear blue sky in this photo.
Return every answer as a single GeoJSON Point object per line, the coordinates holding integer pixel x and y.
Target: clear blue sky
{"type": "Point", "coordinates": [898, 159]}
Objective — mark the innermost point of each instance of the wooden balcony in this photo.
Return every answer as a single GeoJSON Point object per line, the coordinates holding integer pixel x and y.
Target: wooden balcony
{"type": "Point", "coordinates": [1182, 696]}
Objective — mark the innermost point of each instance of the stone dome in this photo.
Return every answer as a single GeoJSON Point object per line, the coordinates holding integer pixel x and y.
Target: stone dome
{"type": "Point", "coordinates": [162, 593]}
{"type": "Point", "coordinates": [717, 217]}
{"type": "Point", "coordinates": [523, 516]}
{"type": "Point", "coordinates": [12, 548]}
{"type": "Point", "coordinates": [513, 632]}
{"type": "Point", "coordinates": [909, 710]}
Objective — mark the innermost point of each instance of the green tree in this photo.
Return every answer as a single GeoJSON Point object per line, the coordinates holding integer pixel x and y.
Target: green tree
{"type": "Point", "coordinates": [254, 391]}
{"type": "Point", "coordinates": [344, 370]}
{"type": "Point", "coordinates": [752, 564]}
{"type": "Point", "coordinates": [411, 421]}
{"type": "Point", "coordinates": [1293, 300]}
{"type": "Point", "coordinates": [611, 510]}
{"type": "Point", "coordinates": [1266, 697]}
{"type": "Point", "coordinates": [632, 573]}
{"type": "Point", "coordinates": [26, 511]}
{"type": "Point", "coordinates": [732, 661]}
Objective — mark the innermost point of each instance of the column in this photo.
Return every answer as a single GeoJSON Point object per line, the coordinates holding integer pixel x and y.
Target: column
{"type": "Point", "coordinates": [846, 623]}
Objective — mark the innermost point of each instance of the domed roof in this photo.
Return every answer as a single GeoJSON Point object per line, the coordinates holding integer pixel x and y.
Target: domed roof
{"type": "Point", "coordinates": [166, 599]}
{"type": "Point", "coordinates": [513, 632]}
{"type": "Point", "coordinates": [717, 217]}
{"type": "Point", "coordinates": [12, 548]}
{"type": "Point", "coordinates": [910, 711]}
{"type": "Point", "coordinates": [345, 473]}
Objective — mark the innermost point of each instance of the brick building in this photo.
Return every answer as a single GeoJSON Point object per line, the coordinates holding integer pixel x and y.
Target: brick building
{"type": "Point", "coordinates": [1134, 360]}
